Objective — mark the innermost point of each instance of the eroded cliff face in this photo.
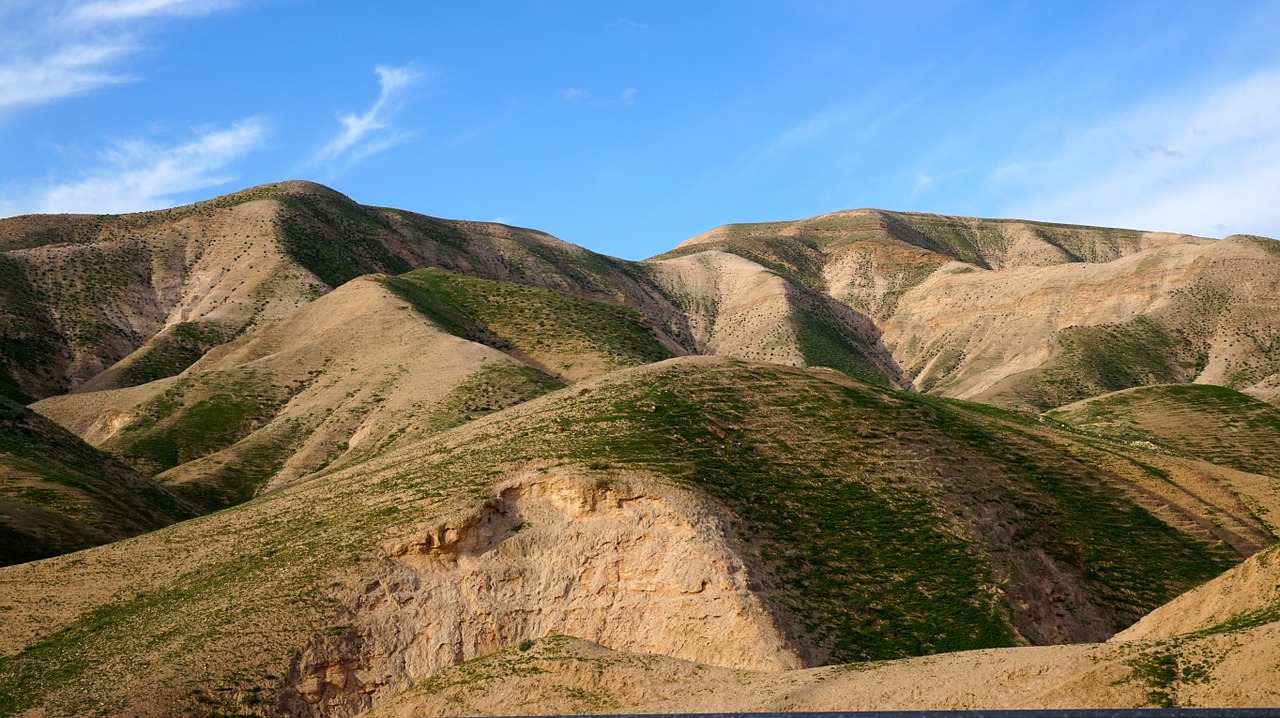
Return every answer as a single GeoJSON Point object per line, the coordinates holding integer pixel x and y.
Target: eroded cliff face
{"type": "Point", "coordinates": [627, 562]}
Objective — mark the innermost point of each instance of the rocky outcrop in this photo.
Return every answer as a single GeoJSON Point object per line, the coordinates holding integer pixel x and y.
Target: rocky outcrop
{"type": "Point", "coordinates": [625, 562]}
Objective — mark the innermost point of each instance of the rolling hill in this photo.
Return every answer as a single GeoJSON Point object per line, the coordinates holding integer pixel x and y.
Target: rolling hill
{"type": "Point", "coordinates": [911, 525]}
{"type": "Point", "coordinates": [58, 494]}
{"type": "Point", "coordinates": [1031, 314]}
{"type": "Point", "coordinates": [420, 466]}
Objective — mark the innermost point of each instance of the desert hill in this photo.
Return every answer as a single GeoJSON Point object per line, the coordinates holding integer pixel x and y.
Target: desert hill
{"type": "Point", "coordinates": [1214, 423]}
{"type": "Point", "coordinates": [58, 494]}
{"type": "Point", "coordinates": [428, 451]}
{"type": "Point", "coordinates": [364, 367]}
{"type": "Point", "coordinates": [1030, 314]}
{"type": "Point", "coordinates": [100, 302]}
{"type": "Point", "coordinates": [638, 510]}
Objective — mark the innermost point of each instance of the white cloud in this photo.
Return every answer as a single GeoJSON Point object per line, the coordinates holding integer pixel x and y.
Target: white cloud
{"type": "Point", "coordinates": [578, 96]}
{"type": "Point", "coordinates": [103, 11]}
{"type": "Point", "coordinates": [138, 175]}
{"type": "Point", "coordinates": [53, 50]}
{"type": "Point", "coordinates": [367, 134]}
{"type": "Point", "coordinates": [926, 181]}
{"type": "Point", "coordinates": [71, 71]}
{"type": "Point", "coordinates": [624, 24]}
{"type": "Point", "coordinates": [1204, 164]}
{"type": "Point", "coordinates": [574, 94]}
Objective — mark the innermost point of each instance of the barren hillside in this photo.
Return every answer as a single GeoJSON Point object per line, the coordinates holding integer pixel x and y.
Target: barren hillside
{"type": "Point", "coordinates": [658, 485]}
{"type": "Point", "coordinates": [1030, 314]}
{"type": "Point", "coordinates": [428, 467]}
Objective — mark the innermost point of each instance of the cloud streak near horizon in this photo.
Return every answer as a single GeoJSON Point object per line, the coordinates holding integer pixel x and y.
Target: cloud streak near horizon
{"type": "Point", "coordinates": [1203, 164]}
{"type": "Point", "coordinates": [139, 175]}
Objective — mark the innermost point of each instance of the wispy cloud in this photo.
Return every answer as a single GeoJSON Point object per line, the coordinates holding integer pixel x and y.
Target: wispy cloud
{"type": "Point", "coordinates": [70, 71]}
{"type": "Point", "coordinates": [579, 96]}
{"type": "Point", "coordinates": [369, 133]}
{"type": "Point", "coordinates": [1205, 164]}
{"type": "Point", "coordinates": [139, 175]}
{"type": "Point", "coordinates": [54, 50]}
{"type": "Point", "coordinates": [627, 25]}
{"type": "Point", "coordinates": [926, 181]}
{"type": "Point", "coordinates": [848, 127]}
{"type": "Point", "coordinates": [102, 11]}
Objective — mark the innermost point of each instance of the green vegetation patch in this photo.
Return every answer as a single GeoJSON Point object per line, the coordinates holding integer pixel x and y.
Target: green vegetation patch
{"type": "Point", "coordinates": [823, 343]}
{"type": "Point", "coordinates": [252, 465]}
{"type": "Point", "coordinates": [29, 340]}
{"type": "Point", "coordinates": [65, 495]}
{"type": "Point", "coordinates": [197, 416]}
{"type": "Point", "coordinates": [1099, 359]}
{"type": "Point", "coordinates": [1214, 423]}
{"type": "Point", "coordinates": [535, 322]}
{"type": "Point", "coordinates": [336, 239]}
{"type": "Point", "coordinates": [1170, 666]}
{"type": "Point", "coordinates": [1138, 561]}
{"type": "Point", "coordinates": [174, 351]}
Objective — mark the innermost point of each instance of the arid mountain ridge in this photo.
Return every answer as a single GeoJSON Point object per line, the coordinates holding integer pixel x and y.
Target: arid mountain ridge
{"type": "Point", "coordinates": [202, 273]}
{"type": "Point", "coordinates": [777, 446]}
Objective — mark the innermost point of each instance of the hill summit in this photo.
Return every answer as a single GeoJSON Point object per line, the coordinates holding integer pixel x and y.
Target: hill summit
{"type": "Point", "coordinates": [283, 453]}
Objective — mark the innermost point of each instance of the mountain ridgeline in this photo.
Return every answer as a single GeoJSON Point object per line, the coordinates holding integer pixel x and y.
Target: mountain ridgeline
{"type": "Point", "coordinates": [374, 460]}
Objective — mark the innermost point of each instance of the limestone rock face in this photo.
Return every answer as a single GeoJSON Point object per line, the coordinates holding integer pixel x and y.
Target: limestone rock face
{"type": "Point", "coordinates": [631, 564]}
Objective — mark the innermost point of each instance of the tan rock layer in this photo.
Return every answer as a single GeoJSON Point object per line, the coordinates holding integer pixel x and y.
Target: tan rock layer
{"type": "Point", "coordinates": [630, 564]}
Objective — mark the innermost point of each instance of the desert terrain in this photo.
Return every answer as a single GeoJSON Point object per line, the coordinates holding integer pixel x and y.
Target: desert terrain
{"type": "Point", "coordinates": [281, 453]}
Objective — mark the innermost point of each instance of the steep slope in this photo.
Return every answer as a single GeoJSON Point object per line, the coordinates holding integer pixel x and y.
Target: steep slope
{"type": "Point", "coordinates": [831, 250]}
{"type": "Point", "coordinates": [101, 302]}
{"type": "Point", "coordinates": [745, 515]}
{"type": "Point", "coordinates": [737, 308]}
{"type": "Point", "coordinates": [567, 336]}
{"type": "Point", "coordinates": [1213, 423]}
{"type": "Point", "coordinates": [82, 293]}
{"type": "Point", "coordinates": [363, 368]}
{"type": "Point", "coordinates": [1245, 597]}
{"type": "Point", "coordinates": [1033, 315]}
{"type": "Point", "coordinates": [354, 370]}
{"type": "Point", "coordinates": [58, 494]}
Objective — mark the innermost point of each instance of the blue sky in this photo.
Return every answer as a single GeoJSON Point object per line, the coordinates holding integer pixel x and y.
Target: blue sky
{"type": "Point", "coordinates": [627, 127]}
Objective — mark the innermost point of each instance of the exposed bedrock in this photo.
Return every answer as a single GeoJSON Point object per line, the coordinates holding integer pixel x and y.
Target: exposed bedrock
{"type": "Point", "coordinates": [626, 562]}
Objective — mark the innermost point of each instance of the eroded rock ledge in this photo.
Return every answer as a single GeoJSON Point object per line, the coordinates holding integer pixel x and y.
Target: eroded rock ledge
{"type": "Point", "coordinates": [624, 561]}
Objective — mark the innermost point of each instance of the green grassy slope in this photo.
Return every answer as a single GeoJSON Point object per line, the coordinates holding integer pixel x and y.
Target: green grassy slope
{"type": "Point", "coordinates": [30, 350]}
{"type": "Point", "coordinates": [1214, 423]}
{"type": "Point", "coordinates": [866, 507]}
{"type": "Point", "coordinates": [58, 494]}
{"type": "Point", "coordinates": [235, 411]}
{"type": "Point", "coordinates": [212, 411]}
{"type": "Point", "coordinates": [173, 351]}
{"type": "Point", "coordinates": [826, 447]}
{"type": "Point", "coordinates": [562, 332]}
{"type": "Point", "coordinates": [825, 341]}
{"type": "Point", "coordinates": [197, 416]}
{"type": "Point", "coordinates": [60, 273]}
{"type": "Point", "coordinates": [1095, 360]}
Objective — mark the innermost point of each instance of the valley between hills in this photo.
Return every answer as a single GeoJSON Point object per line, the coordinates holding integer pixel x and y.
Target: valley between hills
{"type": "Point", "coordinates": [281, 453]}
